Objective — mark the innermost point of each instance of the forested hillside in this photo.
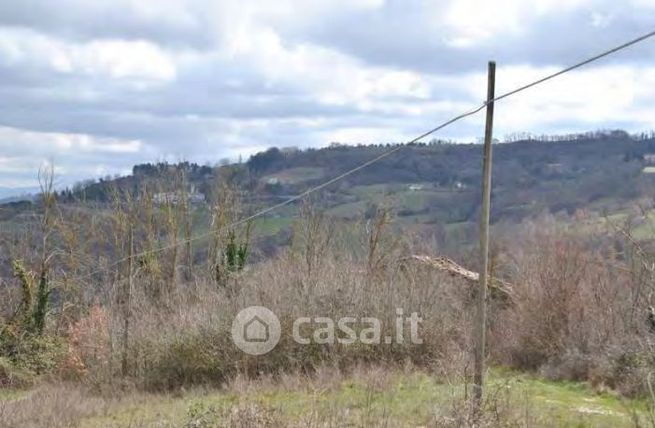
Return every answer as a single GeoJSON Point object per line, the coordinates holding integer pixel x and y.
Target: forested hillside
{"type": "Point", "coordinates": [436, 182]}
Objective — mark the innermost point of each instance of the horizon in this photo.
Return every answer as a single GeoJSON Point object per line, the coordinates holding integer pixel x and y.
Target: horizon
{"type": "Point", "coordinates": [10, 193]}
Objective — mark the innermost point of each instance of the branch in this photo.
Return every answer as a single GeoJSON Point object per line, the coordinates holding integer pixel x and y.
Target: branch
{"type": "Point", "coordinates": [451, 267]}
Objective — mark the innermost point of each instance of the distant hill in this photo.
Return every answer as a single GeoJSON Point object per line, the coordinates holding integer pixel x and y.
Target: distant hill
{"type": "Point", "coordinates": [440, 182]}
{"type": "Point", "coordinates": [431, 183]}
{"type": "Point", "coordinates": [14, 194]}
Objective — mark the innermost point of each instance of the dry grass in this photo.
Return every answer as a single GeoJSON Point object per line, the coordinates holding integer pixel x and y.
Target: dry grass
{"type": "Point", "coordinates": [52, 406]}
{"type": "Point", "coordinates": [366, 395]}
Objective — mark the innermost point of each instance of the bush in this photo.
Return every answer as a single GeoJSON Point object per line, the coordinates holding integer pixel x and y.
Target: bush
{"type": "Point", "coordinates": [12, 376]}
{"type": "Point", "coordinates": [576, 316]}
{"type": "Point", "coordinates": [89, 347]}
{"type": "Point", "coordinates": [39, 354]}
{"type": "Point", "coordinates": [189, 359]}
{"type": "Point", "coordinates": [184, 339]}
{"type": "Point", "coordinates": [24, 357]}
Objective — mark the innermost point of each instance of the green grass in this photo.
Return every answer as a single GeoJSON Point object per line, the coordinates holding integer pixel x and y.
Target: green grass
{"type": "Point", "coordinates": [570, 403]}
{"type": "Point", "coordinates": [348, 210]}
{"type": "Point", "coordinates": [369, 191]}
{"type": "Point", "coordinates": [156, 410]}
{"type": "Point", "coordinates": [398, 195]}
{"type": "Point", "coordinates": [641, 226]}
{"type": "Point", "coordinates": [268, 226]}
{"type": "Point", "coordinates": [415, 200]}
{"type": "Point", "coordinates": [415, 219]}
{"type": "Point", "coordinates": [403, 399]}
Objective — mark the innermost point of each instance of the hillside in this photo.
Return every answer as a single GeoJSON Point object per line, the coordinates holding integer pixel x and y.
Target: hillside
{"type": "Point", "coordinates": [432, 188]}
{"type": "Point", "coordinates": [440, 181]}
{"type": "Point", "coordinates": [434, 183]}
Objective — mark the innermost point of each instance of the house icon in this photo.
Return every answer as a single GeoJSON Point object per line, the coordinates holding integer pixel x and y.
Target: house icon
{"type": "Point", "coordinates": [256, 330]}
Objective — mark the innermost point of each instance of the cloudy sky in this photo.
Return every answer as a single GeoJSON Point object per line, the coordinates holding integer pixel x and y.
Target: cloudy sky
{"type": "Point", "coordinates": [98, 85]}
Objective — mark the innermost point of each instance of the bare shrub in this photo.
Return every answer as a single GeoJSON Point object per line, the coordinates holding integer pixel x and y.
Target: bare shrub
{"type": "Point", "coordinates": [184, 339]}
{"type": "Point", "coordinates": [89, 348]}
{"type": "Point", "coordinates": [124, 307]}
{"type": "Point", "coordinates": [578, 313]}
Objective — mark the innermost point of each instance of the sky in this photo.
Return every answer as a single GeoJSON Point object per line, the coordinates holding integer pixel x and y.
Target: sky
{"type": "Point", "coordinates": [97, 86]}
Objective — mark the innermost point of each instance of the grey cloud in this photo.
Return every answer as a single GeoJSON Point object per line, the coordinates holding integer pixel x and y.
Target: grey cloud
{"type": "Point", "coordinates": [87, 20]}
{"type": "Point", "coordinates": [401, 35]}
{"type": "Point", "coordinates": [211, 91]}
{"type": "Point", "coordinates": [216, 106]}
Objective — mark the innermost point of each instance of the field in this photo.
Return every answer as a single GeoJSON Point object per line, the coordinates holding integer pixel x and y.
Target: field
{"type": "Point", "coordinates": [366, 397]}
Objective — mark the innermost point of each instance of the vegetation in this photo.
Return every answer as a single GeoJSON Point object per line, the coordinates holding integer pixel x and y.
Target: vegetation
{"type": "Point", "coordinates": [364, 396]}
{"type": "Point", "coordinates": [135, 291]}
{"type": "Point", "coordinates": [531, 175]}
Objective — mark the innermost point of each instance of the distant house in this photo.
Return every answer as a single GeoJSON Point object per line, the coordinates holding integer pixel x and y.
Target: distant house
{"type": "Point", "coordinates": [193, 197]}
{"type": "Point", "coordinates": [415, 187]}
{"type": "Point", "coordinates": [163, 198]}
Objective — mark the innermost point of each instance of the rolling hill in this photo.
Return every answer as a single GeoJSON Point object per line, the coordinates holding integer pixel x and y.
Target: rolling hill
{"type": "Point", "coordinates": [435, 183]}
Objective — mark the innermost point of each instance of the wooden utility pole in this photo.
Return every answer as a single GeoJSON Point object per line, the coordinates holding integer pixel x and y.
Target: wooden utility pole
{"type": "Point", "coordinates": [127, 302]}
{"type": "Point", "coordinates": [481, 315]}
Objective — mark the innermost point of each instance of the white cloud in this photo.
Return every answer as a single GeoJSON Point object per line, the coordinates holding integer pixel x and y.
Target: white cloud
{"type": "Point", "coordinates": [51, 144]}
{"type": "Point", "coordinates": [123, 59]}
{"type": "Point", "coordinates": [471, 22]}
{"type": "Point", "coordinates": [75, 156]}
{"type": "Point", "coordinates": [592, 98]}
{"type": "Point", "coordinates": [115, 59]}
{"type": "Point", "coordinates": [102, 85]}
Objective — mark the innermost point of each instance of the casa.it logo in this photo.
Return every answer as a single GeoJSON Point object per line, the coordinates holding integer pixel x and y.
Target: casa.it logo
{"type": "Point", "coordinates": [256, 330]}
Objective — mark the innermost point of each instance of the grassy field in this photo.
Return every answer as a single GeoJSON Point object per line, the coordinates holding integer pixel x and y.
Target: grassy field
{"type": "Point", "coordinates": [641, 225]}
{"type": "Point", "coordinates": [400, 196]}
{"type": "Point", "coordinates": [366, 397]}
{"type": "Point", "coordinates": [268, 226]}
